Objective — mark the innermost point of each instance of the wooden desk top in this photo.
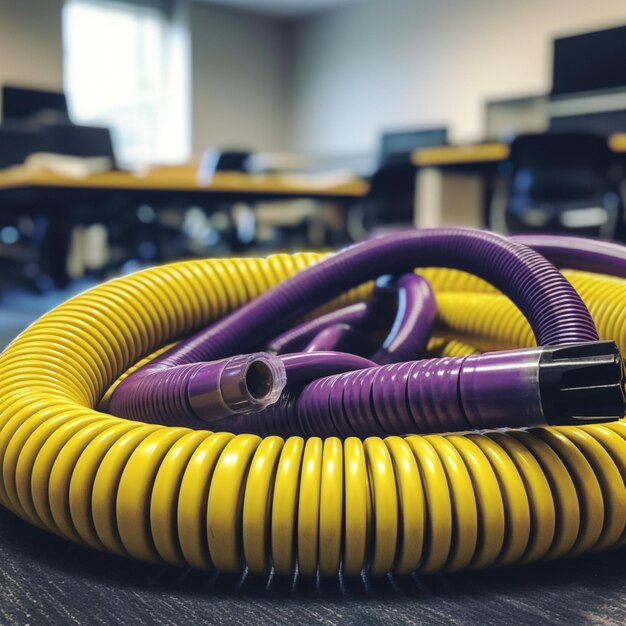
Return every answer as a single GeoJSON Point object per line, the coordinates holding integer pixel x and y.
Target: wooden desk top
{"type": "Point", "coordinates": [493, 152]}
{"type": "Point", "coordinates": [184, 179]}
{"type": "Point", "coordinates": [453, 155]}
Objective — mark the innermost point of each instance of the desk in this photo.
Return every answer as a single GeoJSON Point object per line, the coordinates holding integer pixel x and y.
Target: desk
{"type": "Point", "coordinates": [65, 201]}
{"type": "Point", "coordinates": [184, 180]}
{"type": "Point", "coordinates": [480, 154]}
{"type": "Point", "coordinates": [470, 154]}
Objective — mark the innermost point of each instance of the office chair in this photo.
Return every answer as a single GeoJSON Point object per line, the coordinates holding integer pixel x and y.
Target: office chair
{"type": "Point", "coordinates": [34, 120]}
{"type": "Point", "coordinates": [393, 183]}
{"type": "Point", "coordinates": [44, 239]}
{"type": "Point", "coordinates": [561, 183]}
{"type": "Point", "coordinates": [80, 141]}
{"type": "Point", "coordinates": [23, 103]}
{"type": "Point", "coordinates": [20, 139]}
{"type": "Point", "coordinates": [391, 200]}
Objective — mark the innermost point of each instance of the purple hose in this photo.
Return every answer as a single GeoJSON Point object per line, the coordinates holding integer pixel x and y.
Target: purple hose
{"type": "Point", "coordinates": [341, 338]}
{"type": "Point", "coordinates": [296, 338]}
{"type": "Point", "coordinates": [470, 392]}
{"type": "Point", "coordinates": [366, 316]}
{"type": "Point", "coordinates": [207, 392]}
{"type": "Point", "coordinates": [412, 327]}
{"type": "Point", "coordinates": [304, 367]}
{"type": "Point", "coordinates": [384, 400]}
{"type": "Point", "coordinates": [579, 254]}
{"type": "Point", "coordinates": [554, 310]}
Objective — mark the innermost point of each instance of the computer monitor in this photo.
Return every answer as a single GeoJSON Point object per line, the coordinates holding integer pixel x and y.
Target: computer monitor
{"type": "Point", "coordinates": [405, 141]}
{"type": "Point", "coordinates": [590, 62]}
{"type": "Point", "coordinates": [22, 103]}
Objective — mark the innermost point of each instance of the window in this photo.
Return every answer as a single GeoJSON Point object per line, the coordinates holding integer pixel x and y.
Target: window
{"type": "Point", "coordinates": [126, 66]}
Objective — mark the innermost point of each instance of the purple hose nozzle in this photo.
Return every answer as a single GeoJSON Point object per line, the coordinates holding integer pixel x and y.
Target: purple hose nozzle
{"type": "Point", "coordinates": [248, 382]}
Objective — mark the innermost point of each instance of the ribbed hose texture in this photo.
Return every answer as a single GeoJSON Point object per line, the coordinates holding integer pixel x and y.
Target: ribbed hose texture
{"type": "Point", "coordinates": [395, 399]}
{"type": "Point", "coordinates": [199, 499]}
{"type": "Point", "coordinates": [554, 310]}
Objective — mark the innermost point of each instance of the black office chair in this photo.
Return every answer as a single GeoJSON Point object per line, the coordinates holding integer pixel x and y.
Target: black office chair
{"type": "Point", "coordinates": [20, 139]}
{"type": "Point", "coordinates": [26, 229]}
{"type": "Point", "coordinates": [562, 183]}
{"type": "Point", "coordinates": [391, 200]}
{"type": "Point", "coordinates": [46, 242]}
{"type": "Point", "coordinates": [80, 141]}
{"type": "Point", "coordinates": [392, 190]}
{"type": "Point", "coordinates": [393, 183]}
{"type": "Point", "coordinates": [51, 131]}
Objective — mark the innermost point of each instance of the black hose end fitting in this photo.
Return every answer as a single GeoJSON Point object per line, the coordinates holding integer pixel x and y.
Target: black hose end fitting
{"type": "Point", "coordinates": [582, 383]}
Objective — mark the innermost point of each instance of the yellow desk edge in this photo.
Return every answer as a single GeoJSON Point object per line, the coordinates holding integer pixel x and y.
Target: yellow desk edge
{"type": "Point", "coordinates": [185, 180]}
{"type": "Point", "coordinates": [482, 153]}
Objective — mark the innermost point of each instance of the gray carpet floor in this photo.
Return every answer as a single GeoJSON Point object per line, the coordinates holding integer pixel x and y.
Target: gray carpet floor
{"type": "Point", "coordinates": [46, 580]}
{"type": "Point", "coordinates": [20, 308]}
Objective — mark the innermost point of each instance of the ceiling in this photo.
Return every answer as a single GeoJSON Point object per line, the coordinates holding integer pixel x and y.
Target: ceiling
{"type": "Point", "coordinates": [285, 8]}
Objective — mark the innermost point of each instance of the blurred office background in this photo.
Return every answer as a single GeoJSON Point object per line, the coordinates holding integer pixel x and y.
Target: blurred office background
{"type": "Point", "coordinates": [319, 76]}
{"type": "Point", "coordinates": [137, 132]}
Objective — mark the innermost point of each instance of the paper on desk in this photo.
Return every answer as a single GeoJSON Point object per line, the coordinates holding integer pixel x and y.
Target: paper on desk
{"type": "Point", "coordinates": [65, 165]}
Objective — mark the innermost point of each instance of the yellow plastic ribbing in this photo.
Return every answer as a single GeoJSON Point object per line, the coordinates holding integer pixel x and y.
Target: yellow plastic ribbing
{"type": "Point", "coordinates": [213, 500]}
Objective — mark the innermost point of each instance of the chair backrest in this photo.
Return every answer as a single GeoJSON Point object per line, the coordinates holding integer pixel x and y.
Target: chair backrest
{"type": "Point", "coordinates": [21, 103]}
{"type": "Point", "coordinates": [555, 178]}
{"type": "Point", "coordinates": [20, 139]}
{"type": "Point", "coordinates": [560, 165]}
{"type": "Point", "coordinates": [80, 141]}
{"type": "Point", "coordinates": [548, 150]}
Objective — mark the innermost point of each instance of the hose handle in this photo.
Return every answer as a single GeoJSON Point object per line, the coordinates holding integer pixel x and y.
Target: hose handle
{"type": "Point", "coordinates": [582, 383]}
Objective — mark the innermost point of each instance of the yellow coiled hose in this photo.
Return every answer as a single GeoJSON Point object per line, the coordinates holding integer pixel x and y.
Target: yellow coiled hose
{"type": "Point", "coordinates": [214, 500]}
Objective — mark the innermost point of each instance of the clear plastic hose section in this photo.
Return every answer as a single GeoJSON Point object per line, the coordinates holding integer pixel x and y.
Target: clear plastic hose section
{"type": "Point", "coordinates": [455, 405]}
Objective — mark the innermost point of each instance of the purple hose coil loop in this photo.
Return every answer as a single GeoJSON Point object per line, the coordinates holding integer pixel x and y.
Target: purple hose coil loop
{"type": "Point", "coordinates": [577, 253]}
{"type": "Point", "coordinates": [340, 338]}
{"type": "Point", "coordinates": [417, 310]}
{"type": "Point", "coordinates": [303, 367]}
{"type": "Point", "coordinates": [554, 310]}
{"type": "Point", "coordinates": [394, 399]}
{"type": "Point", "coordinates": [361, 315]}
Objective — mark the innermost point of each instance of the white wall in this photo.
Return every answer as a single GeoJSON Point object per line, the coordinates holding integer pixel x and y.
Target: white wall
{"type": "Point", "coordinates": [239, 68]}
{"type": "Point", "coordinates": [239, 79]}
{"type": "Point", "coordinates": [31, 51]}
{"type": "Point", "coordinates": [384, 64]}
{"type": "Point", "coordinates": [332, 82]}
